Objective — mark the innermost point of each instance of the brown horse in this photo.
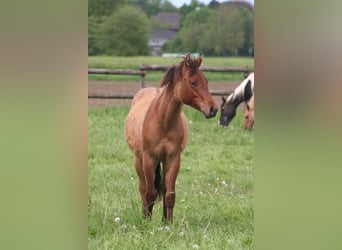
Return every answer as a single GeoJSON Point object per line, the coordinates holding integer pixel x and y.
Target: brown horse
{"type": "Point", "coordinates": [248, 112]}
{"type": "Point", "coordinates": [156, 130]}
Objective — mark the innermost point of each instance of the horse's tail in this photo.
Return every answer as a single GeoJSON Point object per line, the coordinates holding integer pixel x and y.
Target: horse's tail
{"type": "Point", "coordinates": [158, 182]}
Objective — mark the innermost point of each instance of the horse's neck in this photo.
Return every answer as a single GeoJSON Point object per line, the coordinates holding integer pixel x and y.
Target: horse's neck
{"type": "Point", "coordinates": [237, 96]}
{"type": "Point", "coordinates": [168, 108]}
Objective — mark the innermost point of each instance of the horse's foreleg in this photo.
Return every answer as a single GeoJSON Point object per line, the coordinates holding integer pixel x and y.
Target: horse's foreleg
{"type": "Point", "coordinates": [150, 194]}
{"type": "Point", "coordinates": [140, 172]}
{"type": "Point", "coordinates": [171, 172]}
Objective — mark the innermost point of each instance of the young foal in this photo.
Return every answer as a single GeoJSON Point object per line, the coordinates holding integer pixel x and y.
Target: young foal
{"type": "Point", "coordinates": [248, 113]}
{"type": "Point", "coordinates": [242, 93]}
{"type": "Point", "coordinates": [156, 130]}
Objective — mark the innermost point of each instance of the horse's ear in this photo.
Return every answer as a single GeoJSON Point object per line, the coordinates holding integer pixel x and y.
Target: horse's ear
{"type": "Point", "coordinates": [199, 60]}
{"type": "Point", "coordinates": [187, 59]}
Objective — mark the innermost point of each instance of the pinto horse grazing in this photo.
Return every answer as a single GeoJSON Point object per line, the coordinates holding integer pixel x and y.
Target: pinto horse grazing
{"type": "Point", "coordinates": [248, 113]}
{"type": "Point", "coordinates": [156, 130]}
{"type": "Point", "coordinates": [242, 93]}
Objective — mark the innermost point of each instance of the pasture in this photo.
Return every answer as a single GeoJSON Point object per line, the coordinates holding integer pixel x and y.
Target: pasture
{"type": "Point", "coordinates": [214, 189]}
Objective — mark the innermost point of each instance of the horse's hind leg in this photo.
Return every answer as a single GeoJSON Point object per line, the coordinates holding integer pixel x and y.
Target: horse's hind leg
{"type": "Point", "coordinates": [150, 195]}
{"type": "Point", "coordinates": [169, 199]}
{"type": "Point", "coordinates": [140, 172]}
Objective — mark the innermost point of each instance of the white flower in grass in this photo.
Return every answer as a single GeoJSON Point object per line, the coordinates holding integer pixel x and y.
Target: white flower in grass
{"type": "Point", "coordinates": [181, 234]}
{"type": "Point", "coordinates": [166, 228]}
{"type": "Point", "coordinates": [216, 190]}
{"type": "Point", "coordinates": [117, 220]}
{"type": "Point", "coordinates": [224, 183]}
{"type": "Point", "coordinates": [195, 246]}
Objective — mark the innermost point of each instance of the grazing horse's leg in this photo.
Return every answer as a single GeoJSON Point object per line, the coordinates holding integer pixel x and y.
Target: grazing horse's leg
{"type": "Point", "coordinates": [140, 172]}
{"type": "Point", "coordinates": [171, 172]}
{"type": "Point", "coordinates": [150, 192]}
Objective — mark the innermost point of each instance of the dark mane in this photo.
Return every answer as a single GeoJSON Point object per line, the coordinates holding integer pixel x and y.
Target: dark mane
{"type": "Point", "coordinates": [193, 67]}
{"type": "Point", "coordinates": [248, 91]}
{"type": "Point", "coordinates": [168, 77]}
{"type": "Point", "coordinates": [176, 71]}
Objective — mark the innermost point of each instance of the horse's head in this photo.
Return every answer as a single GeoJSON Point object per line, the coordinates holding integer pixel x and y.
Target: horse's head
{"type": "Point", "coordinates": [228, 110]}
{"type": "Point", "coordinates": [249, 114]}
{"type": "Point", "coordinates": [241, 94]}
{"type": "Point", "coordinates": [193, 89]}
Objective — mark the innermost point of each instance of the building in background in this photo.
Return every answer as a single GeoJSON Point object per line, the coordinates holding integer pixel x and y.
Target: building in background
{"type": "Point", "coordinates": [160, 36]}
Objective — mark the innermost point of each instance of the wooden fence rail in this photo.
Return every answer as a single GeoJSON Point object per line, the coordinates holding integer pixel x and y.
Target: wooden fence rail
{"type": "Point", "coordinates": [140, 73]}
{"type": "Point", "coordinates": [130, 96]}
{"type": "Point", "coordinates": [245, 70]}
{"type": "Point", "coordinates": [116, 72]}
{"type": "Point", "coordinates": [143, 71]}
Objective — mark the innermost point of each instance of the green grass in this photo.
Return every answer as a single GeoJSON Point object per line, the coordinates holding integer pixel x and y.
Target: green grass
{"type": "Point", "coordinates": [214, 190]}
{"type": "Point", "coordinates": [135, 62]}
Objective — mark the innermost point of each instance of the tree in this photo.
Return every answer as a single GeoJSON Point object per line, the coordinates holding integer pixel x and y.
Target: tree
{"type": "Point", "coordinates": [124, 33]}
{"type": "Point", "coordinates": [93, 28]}
{"type": "Point", "coordinates": [153, 7]}
{"type": "Point", "coordinates": [103, 7]}
{"type": "Point", "coordinates": [248, 27]}
{"type": "Point", "coordinates": [214, 4]}
{"type": "Point", "coordinates": [195, 25]}
{"type": "Point", "coordinates": [185, 10]}
{"type": "Point", "coordinates": [222, 31]}
{"type": "Point", "coordinates": [228, 32]}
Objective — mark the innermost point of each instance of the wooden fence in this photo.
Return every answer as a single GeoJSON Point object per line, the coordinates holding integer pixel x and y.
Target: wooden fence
{"type": "Point", "coordinates": [143, 71]}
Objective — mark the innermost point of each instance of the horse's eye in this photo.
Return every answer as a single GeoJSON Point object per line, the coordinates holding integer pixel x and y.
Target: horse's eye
{"type": "Point", "coordinates": [246, 117]}
{"type": "Point", "coordinates": [193, 84]}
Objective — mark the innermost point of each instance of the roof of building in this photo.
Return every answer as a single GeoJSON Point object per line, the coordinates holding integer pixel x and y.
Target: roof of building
{"type": "Point", "coordinates": [168, 17]}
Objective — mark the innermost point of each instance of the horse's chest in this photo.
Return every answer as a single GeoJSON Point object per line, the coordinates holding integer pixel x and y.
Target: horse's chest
{"type": "Point", "coordinates": [168, 144]}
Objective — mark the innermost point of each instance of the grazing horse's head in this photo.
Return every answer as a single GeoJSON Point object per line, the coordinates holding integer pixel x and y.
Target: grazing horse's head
{"type": "Point", "coordinates": [191, 86]}
{"type": "Point", "coordinates": [229, 106]}
{"type": "Point", "coordinates": [249, 114]}
{"type": "Point", "coordinates": [228, 110]}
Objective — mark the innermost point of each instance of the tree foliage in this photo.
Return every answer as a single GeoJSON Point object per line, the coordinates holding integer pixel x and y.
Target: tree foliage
{"type": "Point", "coordinates": [121, 27]}
{"type": "Point", "coordinates": [100, 8]}
{"type": "Point", "coordinates": [124, 33]}
{"type": "Point", "coordinates": [195, 27]}
{"type": "Point", "coordinates": [220, 31]}
{"type": "Point", "coordinates": [153, 7]}
{"type": "Point", "coordinates": [94, 23]}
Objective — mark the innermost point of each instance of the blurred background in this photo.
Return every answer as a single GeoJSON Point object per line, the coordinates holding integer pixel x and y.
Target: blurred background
{"type": "Point", "coordinates": [158, 27]}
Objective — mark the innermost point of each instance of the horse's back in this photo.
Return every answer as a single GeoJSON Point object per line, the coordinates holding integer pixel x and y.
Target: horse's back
{"type": "Point", "coordinates": [136, 115]}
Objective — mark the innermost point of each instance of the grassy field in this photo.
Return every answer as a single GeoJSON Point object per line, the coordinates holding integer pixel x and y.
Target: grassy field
{"type": "Point", "coordinates": [214, 190]}
{"type": "Point", "coordinates": [135, 62]}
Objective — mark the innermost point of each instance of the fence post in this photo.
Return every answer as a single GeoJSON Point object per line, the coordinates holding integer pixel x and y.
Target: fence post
{"type": "Point", "coordinates": [142, 81]}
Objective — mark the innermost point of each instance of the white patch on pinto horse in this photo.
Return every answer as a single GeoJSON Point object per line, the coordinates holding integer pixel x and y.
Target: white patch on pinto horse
{"type": "Point", "coordinates": [239, 91]}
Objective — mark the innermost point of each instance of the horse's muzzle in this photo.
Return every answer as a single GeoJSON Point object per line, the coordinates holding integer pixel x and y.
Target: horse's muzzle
{"type": "Point", "coordinates": [212, 112]}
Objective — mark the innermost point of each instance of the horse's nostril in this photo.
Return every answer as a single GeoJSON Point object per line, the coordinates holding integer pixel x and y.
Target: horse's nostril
{"type": "Point", "coordinates": [212, 111]}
